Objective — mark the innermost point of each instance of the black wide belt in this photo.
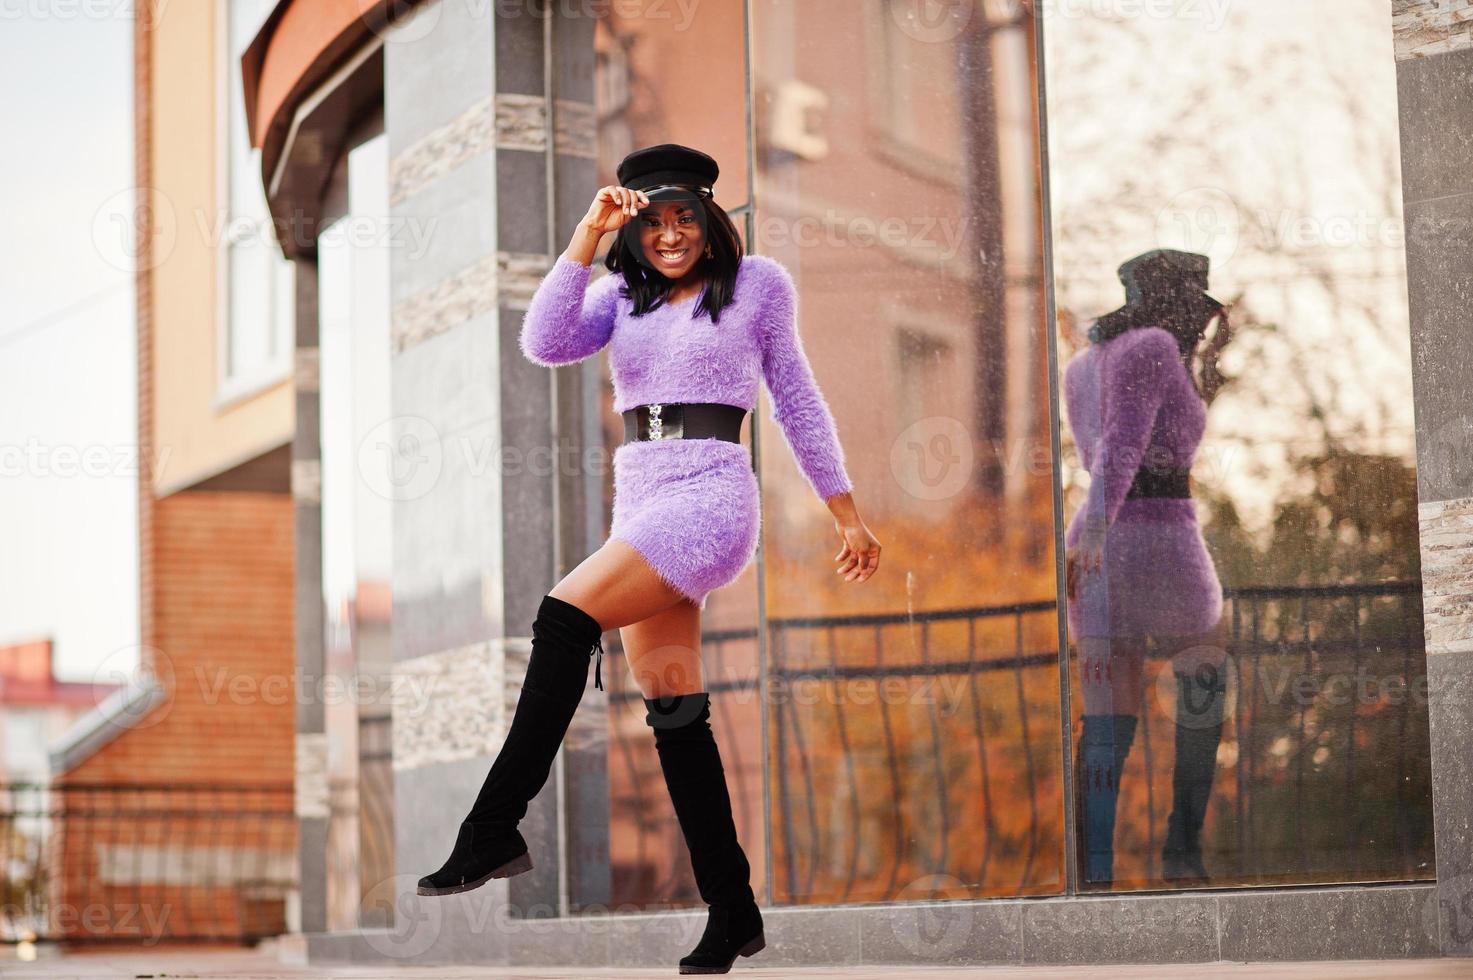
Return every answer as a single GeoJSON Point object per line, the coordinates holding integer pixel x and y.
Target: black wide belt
{"type": "Point", "coordinates": [691, 420]}
{"type": "Point", "coordinates": [1170, 482]}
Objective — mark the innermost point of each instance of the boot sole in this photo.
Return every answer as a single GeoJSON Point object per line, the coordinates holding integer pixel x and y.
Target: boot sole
{"type": "Point", "coordinates": [515, 866]}
{"type": "Point", "coordinates": [755, 946]}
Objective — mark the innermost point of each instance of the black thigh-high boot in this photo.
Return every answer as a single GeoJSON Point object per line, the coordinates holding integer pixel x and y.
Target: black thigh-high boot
{"type": "Point", "coordinates": [697, 784]}
{"type": "Point", "coordinates": [1199, 711]}
{"type": "Point", "coordinates": [489, 844]}
{"type": "Point", "coordinates": [1099, 759]}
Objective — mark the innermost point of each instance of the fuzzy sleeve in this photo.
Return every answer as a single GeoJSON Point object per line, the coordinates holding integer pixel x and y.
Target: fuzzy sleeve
{"type": "Point", "coordinates": [568, 320]}
{"type": "Point", "coordinates": [797, 404]}
{"type": "Point", "coordinates": [1131, 392]}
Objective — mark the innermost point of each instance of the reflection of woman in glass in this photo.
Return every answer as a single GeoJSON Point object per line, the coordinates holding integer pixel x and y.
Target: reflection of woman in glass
{"type": "Point", "coordinates": [1137, 565]}
{"type": "Point", "coordinates": [691, 324]}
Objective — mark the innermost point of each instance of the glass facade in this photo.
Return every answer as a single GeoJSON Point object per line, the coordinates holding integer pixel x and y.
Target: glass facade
{"type": "Point", "coordinates": [353, 256]}
{"type": "Point", "coordinates": [1219, 679]}
{"type": "Point", "coordinates": [637, 53]}
{"type": "Point", "coordinates": [1248, 678]}
{"type": "Point", "coordinates": [913, 724]}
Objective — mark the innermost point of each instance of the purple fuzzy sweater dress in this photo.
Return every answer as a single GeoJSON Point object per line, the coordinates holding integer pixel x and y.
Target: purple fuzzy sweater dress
{"type": "Point", "coordinates": [691, 506]}
{"type": "Point", "coordinates": [1130, 401]}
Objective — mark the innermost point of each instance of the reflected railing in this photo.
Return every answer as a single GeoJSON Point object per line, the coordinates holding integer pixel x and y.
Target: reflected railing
{"type": "Point", "coordinates": [955, 793]}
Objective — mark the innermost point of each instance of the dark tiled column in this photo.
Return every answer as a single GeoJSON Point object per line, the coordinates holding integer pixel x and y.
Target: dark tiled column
{"type": "Point", "coordinates": [478, 535]}
{"type": "Point", "coordinates": [1434, 49]}
{"type": "Point", "coordinates": [311, 741]}
{"type": "Point", "coordinates": [582, 517]}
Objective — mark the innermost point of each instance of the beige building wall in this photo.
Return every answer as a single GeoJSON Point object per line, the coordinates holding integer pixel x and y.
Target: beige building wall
{"type": "Point", "coordinates": [194, 437]}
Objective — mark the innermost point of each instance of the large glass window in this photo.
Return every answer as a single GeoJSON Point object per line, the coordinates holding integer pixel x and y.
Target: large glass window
{"type": "Point", "coordinates": [357, 521]}
{"type": "Point", "coordinates": [259, 282]}
{"type": "Point", "coordinates": [1247, 667]}
{"type": "Point", "coordinates": [913, 729]}
{"type": "Point", "coordinates": [1240, 696]}
{"type": "Point", "coordinates": [644, 58]}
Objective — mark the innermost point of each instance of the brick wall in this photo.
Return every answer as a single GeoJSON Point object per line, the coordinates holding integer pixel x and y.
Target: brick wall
{"type": "Point", "coordinates": [223, 611]}
{"type": "Point", "coordinates": [196, 861]}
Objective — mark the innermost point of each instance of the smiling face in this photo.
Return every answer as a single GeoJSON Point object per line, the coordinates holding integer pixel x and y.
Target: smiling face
{"type": "Point", "coordinates": [671, 236]}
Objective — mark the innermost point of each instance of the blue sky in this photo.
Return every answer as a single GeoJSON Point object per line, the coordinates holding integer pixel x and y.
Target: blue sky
{"type": "Point", "coordinates": [68, 463]}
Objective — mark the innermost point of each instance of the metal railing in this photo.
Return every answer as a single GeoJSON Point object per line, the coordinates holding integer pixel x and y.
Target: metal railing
{"type": "Point", "coordinates": [958, 793]}
{"type": "Point", "coordinates": [144, 863]}
{"type": "Point", "coordinates": [902, 749]}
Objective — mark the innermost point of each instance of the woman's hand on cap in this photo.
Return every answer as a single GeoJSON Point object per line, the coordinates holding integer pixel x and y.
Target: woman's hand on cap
{"type": "Point", "coordinates": [613, 206]}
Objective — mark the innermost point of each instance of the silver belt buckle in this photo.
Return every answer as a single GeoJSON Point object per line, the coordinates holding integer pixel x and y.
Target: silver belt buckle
{"type": "Point", "coordinates": [657, 430]}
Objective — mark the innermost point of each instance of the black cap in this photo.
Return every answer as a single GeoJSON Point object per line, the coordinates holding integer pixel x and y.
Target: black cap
{"type": "Point", "coordinates": [1161, 273]}
{"type": "Point", "coordinates": [668, 163]}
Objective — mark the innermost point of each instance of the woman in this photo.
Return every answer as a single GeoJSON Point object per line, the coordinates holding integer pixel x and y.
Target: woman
{"type": "Point", "coordinates": [1137, 565]}
{"type": "Point", "coordinates": [691, 324]}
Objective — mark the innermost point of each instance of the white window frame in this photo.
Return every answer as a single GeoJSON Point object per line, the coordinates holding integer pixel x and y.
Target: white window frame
{"type": "Point", "coordinates": [232, 389]}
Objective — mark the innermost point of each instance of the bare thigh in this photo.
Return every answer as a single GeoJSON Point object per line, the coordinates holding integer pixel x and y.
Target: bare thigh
{"type": "Point", "coordinates": [616, 586]}
{"type": "Point", "coordinates": [664, 651]}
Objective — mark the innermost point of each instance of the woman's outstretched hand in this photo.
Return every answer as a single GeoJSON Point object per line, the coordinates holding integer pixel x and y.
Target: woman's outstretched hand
{"type": "Point", "coordinates": [860, 556]}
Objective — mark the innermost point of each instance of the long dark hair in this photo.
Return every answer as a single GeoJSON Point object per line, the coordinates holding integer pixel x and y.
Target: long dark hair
{"type": "Point", "coordinates": [649, 289]}
{"type": "Point", "coordinates": [1184, 315]}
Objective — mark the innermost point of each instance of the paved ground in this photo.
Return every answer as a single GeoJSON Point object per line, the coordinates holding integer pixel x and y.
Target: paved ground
{"type": "Point", "coordinates": [265, 965]}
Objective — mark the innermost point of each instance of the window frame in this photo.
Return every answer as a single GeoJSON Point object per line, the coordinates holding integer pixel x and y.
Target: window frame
{"type": "Point", "coordinates": [231, 389]}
